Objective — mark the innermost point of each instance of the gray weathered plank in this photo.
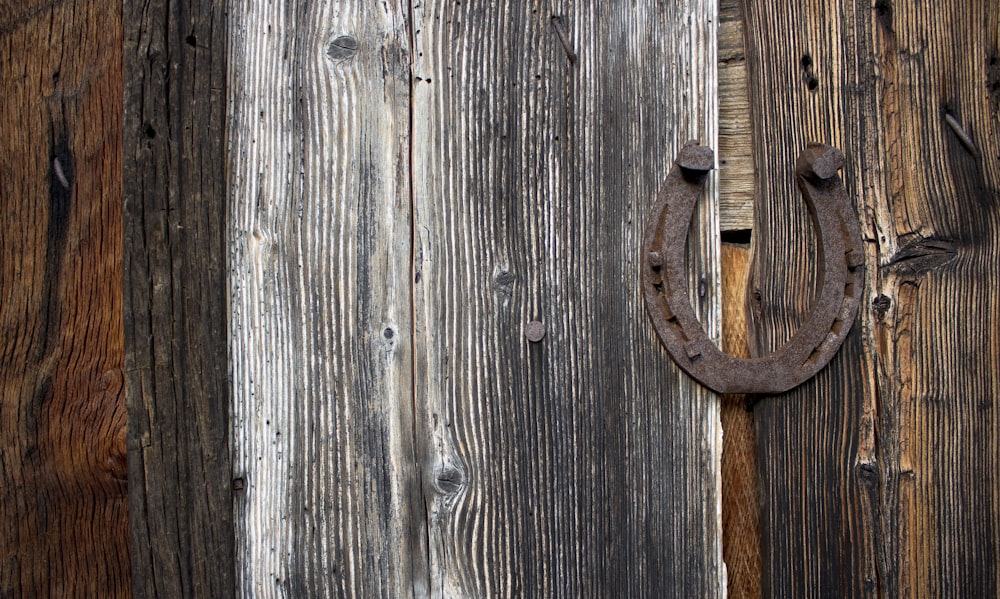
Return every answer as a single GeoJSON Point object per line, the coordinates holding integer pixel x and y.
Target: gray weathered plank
{"type": "Point", "coordinates": [584, 465]}
{"type": "Point", "coordinates": [897, 440]}
{"type": "Point", "coordinates": [319, 236]}
{"type": "Point", "coordinates": [180, 506]}
{"type": "Point", "coordinates": [736, 171]}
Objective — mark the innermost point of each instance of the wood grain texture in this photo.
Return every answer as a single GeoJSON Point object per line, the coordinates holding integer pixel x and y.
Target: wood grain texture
{"type": "Point", "coordinates": [886, 463]}
{"type": "Point", "coordinates": [735, 151]}
{"type": "Point", "coordinates": [175, 308]}
{"type": "Point", "coordinates": [63, 502]}
{"type": "Point", "coordinates": [740, 506]}
{"type": "Point", "coordinates": [319, 236]}
{"type": "Point", "coordinates": [584, 464]}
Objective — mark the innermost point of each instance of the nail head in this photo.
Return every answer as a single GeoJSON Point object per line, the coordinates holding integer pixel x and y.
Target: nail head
{"type": "Point", "coordinates": [696, 157]}
{"type": "Point", "coordinates": [534, 331]}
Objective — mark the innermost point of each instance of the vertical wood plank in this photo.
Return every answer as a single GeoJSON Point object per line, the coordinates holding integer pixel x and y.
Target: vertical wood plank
{"type": "Point", "coordinates": [735, 155]}
{"type": "Point", "coordinates": [934, 347]}
{"type": "Point", "coordinates": [584, 464]}
{"type": "Point", "coordinates": [63, 496]}
{"type": "Point", "coordinates": [896, 441]}
{"type": "Point", "coordinates": [175, 309]}
{"type": "Point", "coordinates": [818, 485]}
{"type": "Point", "coordinates": [740, 505]}
{"type": "Point", "coordinates": [319, 239]}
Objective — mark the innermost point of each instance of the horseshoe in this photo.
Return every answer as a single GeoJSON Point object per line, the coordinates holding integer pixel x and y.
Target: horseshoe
{"type": "Point", "coordinates": [664, 277]}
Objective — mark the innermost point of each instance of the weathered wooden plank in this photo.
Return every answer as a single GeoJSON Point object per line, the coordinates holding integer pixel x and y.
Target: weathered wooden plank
{"type": "Point", "coordinates": [321, 316]}
{"type": "Point", "coordinates": [735, 155]}
{"type": "Point", "coordinates": [818, 540]}
{"type": "Point", "coordinates": [584, 464]}
{"type": "Point", "coordinates": [63, 498]}
{"type": "Point", "coordinates": [175, 309]}
{"type": "Point", "coordinates": [936, 225]}
{"type": "Point", "coordinates": [740, 507]}
{"type": "Point", "coordinates": [897, 440]}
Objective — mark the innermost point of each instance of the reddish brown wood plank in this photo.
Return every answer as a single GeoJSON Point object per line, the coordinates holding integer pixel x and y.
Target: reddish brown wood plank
{"type": "Point", "coordinates": [740, 508]}
{"type": "Point", "coordinates": [63, 512]}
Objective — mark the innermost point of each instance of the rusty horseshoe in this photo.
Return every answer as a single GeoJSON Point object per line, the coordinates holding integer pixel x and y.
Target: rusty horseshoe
{"type": "Point", "coordinates": [664, 277]}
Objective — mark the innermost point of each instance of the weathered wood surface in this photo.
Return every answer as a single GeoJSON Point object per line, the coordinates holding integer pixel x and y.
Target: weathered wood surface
{"type": "Point", "coordinates": [63, 504]}
{"type": "Point", "coordinates": [175, 308]}
{"type": "Point", "coordinates": [321, 335]}
{"type": "Point", "coordinates": [880, 477]}
{"type": "Point", "coordinates": [584, 464]}
{"type": "Point", "coordinates": [740, 506]}
{"type": "Point", "coordinates": [464, 461]}
{"type": "Point", "coordinates": [735, 151]}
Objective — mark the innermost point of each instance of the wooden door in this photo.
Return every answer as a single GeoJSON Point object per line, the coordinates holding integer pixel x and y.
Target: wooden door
{"type": "Point", "coordinates": [379, 267]}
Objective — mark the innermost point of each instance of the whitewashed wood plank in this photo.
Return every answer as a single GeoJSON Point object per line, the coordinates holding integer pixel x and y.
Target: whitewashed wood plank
{"type": "Point", "coordinates": [586, 464]}
{"type": "Point", "coordinates": [320, 287]}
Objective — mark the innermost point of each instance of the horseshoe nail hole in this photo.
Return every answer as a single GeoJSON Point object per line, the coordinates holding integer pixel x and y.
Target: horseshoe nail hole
{"type": "Point", "coordinates": [837, 327]}
{"type": "Point", "coordinates": [678, 329]}
{"type": "Point", "coordinates": [812, 357]}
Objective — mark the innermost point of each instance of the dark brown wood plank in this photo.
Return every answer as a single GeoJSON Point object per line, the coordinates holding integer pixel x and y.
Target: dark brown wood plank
{"type": "Point", "coordinates": [175, 302]}
{"type": "Point", "coordinates": [581, 463]}
{"type": "Point", "coordinates": [63, 502]}
{"type": "Point", "coordinates": [879, 477]}
{"type": "Point", "coordinates": [817, 464]}
{"type": "Point", "coordinates": [935, 343]}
